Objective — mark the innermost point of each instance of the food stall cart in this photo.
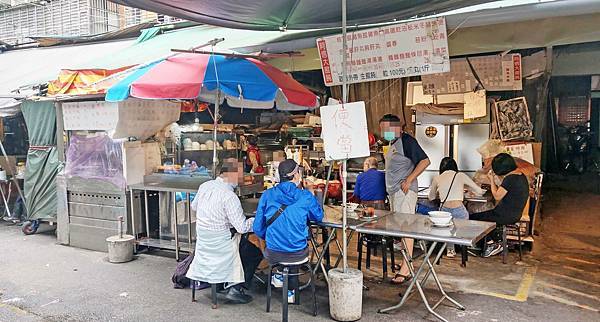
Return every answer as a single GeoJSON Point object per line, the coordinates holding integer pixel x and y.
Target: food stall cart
{"type": "Point", "coordinates": [243, 82]}
{"type": "Point", "coordinates": [106, 153]}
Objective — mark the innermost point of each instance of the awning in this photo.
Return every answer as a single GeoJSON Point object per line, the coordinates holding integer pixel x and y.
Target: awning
{"type": "Point", "coordinates": [80, 82]}
{"type": "Point", "coordinates": [34, 66]}
{"type": "Point", "coordinates": [160, 46]}
{"type": "Point", "coordinates": [40, 65]}
{"type": "Point", "coordinates": [295, 14]}
{"type": "Point", "coordinates": [551, 24]}
{"type": "Point", "coordinates": [9, 107]}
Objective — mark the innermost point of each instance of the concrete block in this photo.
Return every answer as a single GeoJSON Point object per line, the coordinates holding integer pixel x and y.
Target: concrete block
{"type": "Point", "coordinates": [345, 294]}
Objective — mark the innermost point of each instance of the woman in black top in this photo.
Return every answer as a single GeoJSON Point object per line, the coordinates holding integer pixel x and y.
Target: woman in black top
{"type": "Point", "coordinates": [511, 196]}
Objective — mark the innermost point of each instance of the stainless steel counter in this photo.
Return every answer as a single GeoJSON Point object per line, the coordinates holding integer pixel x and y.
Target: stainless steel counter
{"type": "Point", "coordinates": [463, 232]}
{"type": "Point", "coordinates": [187, 184]}
{"type": "Point", "coordinates": [171, 184]}
{"type": "Point", "coordinates": [164, 187]}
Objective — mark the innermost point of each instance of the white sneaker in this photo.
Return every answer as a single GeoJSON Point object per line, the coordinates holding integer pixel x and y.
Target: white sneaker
{"type": "Point", "coordinates": [493, 249]}
{"type": "Point", "coordinates": [277, 280]}
{"type": "Point", "coordinates": [291, 296]}
{"type": "Point", "coordinates": [450, 252]}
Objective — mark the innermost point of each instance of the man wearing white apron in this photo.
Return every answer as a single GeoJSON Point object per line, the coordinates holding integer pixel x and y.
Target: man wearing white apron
{"type": "Point", "coordinates": [218, 211]}
{"type": "Point", "coordinates": [405, 160]}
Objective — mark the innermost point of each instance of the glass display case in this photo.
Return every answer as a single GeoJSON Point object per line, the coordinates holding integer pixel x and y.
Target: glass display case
{"type": "Point", "coordinates": [198, 147]}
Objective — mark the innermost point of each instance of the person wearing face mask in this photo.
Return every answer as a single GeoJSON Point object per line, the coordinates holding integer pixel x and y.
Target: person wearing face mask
{"type": "Point", "coordinates": [221, 256]}
{"type": "Point", "coordinates": [405, 160]}
{"type": "Point", "coordinates": [282, 220]}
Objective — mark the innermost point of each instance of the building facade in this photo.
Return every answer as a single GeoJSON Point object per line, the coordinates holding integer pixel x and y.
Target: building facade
{"type": "Point", "coordinates": [22, 19]}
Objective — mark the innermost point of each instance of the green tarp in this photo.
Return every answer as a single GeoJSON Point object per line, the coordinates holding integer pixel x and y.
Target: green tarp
{"type": "Point", "coordinates": [148, 34]}
{"type": "Point", "coordinates": [42, 160]}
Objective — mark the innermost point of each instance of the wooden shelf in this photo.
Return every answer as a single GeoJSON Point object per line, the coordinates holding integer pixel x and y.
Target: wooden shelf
{"type": "Point", "coordinates": [528, 239]}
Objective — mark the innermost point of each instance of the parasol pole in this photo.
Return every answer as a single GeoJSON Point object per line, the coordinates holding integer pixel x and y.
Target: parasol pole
{"type": "Point", "coordinates": [345, 163]}
{"type": "Point", "coordinates": [215, 124]}
{"type": "Point", "coordinates": [217, 103]}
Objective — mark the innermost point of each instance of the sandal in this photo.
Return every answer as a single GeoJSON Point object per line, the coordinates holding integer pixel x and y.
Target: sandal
{"type": "Point", "coordinates": [405, 278]}
{"type": "Point", "coordinates": [397, 267]}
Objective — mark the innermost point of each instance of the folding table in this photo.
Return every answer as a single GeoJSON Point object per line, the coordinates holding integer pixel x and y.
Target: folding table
{"type": "Point", "coordinates": [332, 220]}
{"type": "Point", "coordinates": [462, 232]}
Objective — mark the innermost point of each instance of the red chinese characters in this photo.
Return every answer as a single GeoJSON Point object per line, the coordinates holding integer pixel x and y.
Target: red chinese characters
{"type": "Point", "coordinates": [517, 67]}
{"type": "Point", "coordinates": [325, 61]}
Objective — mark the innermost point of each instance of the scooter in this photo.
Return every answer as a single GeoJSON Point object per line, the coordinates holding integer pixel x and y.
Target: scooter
{"type": "Point", "coordinates": [578, 149]}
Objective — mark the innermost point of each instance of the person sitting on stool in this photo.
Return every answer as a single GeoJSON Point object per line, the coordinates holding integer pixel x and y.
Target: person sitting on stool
{"type": "Point", "coordinates": [286, 236]}
{"type": "Point", "coordinates": [511, 197]}
{"type": "Point", "coordinates": [370, 185]}
{"type": "Point", "coordinates": [221, 256]}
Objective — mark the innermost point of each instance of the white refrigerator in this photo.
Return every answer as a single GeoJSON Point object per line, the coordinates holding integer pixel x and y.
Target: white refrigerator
{"type": "Point", "coordinates": [459, 141]}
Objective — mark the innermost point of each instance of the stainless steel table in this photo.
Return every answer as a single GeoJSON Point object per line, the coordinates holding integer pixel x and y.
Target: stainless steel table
{"type": "Point", "coordinates": [419, 227]}
{"type": "Point", "coordinates": [424, 195]}
{"type": "Point", "coordinates": [332, 220]}
{"type": "Point", "coordinates": [168, 187]}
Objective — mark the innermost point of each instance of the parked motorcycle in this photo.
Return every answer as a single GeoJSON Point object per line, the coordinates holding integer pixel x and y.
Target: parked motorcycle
{"type": "Point", "coordinates": [579, 140]}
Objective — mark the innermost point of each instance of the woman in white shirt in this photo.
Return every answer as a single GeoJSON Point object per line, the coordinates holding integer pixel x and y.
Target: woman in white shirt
{"type": "Point", "coordinates": [449, 187]}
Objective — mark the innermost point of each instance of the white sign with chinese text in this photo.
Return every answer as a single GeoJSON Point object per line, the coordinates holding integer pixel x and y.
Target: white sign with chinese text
{"type": "Point", "coordinates": [393, 51]}
{"type": "Point", "coordinates": [475, 105]}
{"type": "Point", "coordinates": [345, 133]}
{"type": "Point", "coordinates": [496, 72]}
{"type": "Point", "coordinates": [521, 151]}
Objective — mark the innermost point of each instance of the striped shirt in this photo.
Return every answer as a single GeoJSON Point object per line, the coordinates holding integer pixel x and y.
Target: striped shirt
{"type": "Point", "coordinates": [218, 208]}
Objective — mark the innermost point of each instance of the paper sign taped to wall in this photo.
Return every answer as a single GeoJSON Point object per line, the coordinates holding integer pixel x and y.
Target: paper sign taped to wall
{"type": "Point", "coordinates": [475, 105]}
{"type": "Point", "coordinates": [521, 151]}
{"type": "Point", "coordinates": [345, 133]}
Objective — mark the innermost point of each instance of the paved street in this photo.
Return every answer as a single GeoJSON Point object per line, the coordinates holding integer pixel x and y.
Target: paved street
{"type": "Point", "coordinates": [42, 281]}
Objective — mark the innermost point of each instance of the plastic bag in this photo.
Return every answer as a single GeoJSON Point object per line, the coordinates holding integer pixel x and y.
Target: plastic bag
{"type": "Point", "coordinates": [491, 148]}
{"type": "Point", "coordinates": [97, 157]}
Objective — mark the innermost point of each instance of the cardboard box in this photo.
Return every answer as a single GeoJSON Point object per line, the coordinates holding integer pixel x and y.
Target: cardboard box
{"type": "Point", "coordinates": [537, 154]}
{"type": "Point", "coordinates": [312, 120]}
{"type": "Point", "coordinates": [11, 166]}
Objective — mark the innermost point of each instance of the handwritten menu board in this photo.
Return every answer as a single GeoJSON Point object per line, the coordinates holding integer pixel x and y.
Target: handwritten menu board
{"type": "Point", "coordinates": [393, 51]}
{"type": "Point", "coordinates": [130, 118]}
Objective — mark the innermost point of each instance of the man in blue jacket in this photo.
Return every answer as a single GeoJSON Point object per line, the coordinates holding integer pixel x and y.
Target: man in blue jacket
{"type": "Point", "coordinates": [287, 235]}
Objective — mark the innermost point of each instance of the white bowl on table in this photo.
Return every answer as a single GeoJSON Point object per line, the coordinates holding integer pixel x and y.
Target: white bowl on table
{"type": "Point", "coordinates": [352, 206]}
{"type": "Point", "coordinates": [440, 218]}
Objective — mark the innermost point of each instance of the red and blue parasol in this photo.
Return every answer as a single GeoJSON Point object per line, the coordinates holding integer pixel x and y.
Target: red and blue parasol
{"type": "Point", "coordinates": [243, 82]}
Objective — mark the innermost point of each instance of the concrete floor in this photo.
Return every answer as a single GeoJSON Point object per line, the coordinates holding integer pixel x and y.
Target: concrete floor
{"type": "Point", "coordinates": [558, 281]}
